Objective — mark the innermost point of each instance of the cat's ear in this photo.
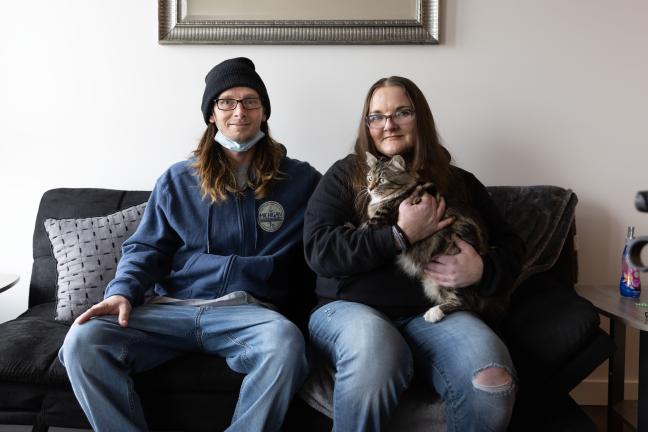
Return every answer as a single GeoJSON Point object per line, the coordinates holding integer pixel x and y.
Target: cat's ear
{"type": "Point", "coordinates": [371, 159]}
{"type": "Point", "coordinates": [398, 162]}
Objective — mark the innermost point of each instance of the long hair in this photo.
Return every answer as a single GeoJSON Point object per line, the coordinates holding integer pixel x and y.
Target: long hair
{"type": "Point", "coordinates": [216, 173]}
{"type": "Point", "coordinates": [429, 160]}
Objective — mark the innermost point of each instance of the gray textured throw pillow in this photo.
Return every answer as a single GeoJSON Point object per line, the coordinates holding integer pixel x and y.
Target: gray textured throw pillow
{"type": "Point", "coordinates": [87, 252]}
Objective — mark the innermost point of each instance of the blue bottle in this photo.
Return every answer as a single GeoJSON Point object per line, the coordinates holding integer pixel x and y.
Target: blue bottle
{"type": "Point", "coordinates": [630, 284]}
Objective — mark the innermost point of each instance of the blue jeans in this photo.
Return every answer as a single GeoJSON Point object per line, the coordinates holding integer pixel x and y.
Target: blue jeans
{"type": "Point", "coordinates": [99, 357]}
{"type": "Point", "coordinates": [375, 358]}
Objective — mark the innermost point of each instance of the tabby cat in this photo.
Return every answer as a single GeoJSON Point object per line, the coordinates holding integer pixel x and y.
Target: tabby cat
{"type": "Point", "coordinates": [388, 184]}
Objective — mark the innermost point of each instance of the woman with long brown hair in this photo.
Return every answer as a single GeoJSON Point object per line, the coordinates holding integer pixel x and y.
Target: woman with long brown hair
{"type": "Point", "coordinates": [369, 324]}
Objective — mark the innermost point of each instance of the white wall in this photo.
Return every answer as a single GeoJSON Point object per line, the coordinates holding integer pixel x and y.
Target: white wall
{"type": "Point", "coordinates": [524, 92]}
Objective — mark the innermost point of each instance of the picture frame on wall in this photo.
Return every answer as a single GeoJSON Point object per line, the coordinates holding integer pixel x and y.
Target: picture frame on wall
{"type": "Point", "coordinates": [298, 22]}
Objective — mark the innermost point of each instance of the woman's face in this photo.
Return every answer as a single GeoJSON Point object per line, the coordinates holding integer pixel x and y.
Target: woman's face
{"type": "Point", "coordinates": [392, 138]}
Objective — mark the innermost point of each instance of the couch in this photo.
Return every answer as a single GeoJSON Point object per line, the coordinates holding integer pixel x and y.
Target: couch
{"type": "Point", "coordinates": [552, 333]}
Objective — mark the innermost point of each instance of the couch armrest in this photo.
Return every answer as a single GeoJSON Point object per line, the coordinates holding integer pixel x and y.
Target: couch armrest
{"type": "Point", "coordinates": [548, 325]}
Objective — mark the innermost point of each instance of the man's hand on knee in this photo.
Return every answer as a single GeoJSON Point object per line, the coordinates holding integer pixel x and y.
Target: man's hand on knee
{"type": "Point", "coordinates": [113, 305]}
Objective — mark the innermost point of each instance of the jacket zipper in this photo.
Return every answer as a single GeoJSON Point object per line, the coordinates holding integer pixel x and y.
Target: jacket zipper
{"type": "Point", "coordinates": [241, 221]}
{"type": "Point", "coordinates": [228, 268]}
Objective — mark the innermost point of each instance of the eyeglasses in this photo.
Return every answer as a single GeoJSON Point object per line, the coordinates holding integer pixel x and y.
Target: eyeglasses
{"type": "Point", "coordinates": [231, 104]}
{"type": "Point", "coordinates": [400, 117]}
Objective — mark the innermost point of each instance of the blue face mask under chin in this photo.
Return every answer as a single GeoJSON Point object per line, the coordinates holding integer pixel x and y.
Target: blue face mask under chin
{"type": "Point", "coordinates": [229, 144]}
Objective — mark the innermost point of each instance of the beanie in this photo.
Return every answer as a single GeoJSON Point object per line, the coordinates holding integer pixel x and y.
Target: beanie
{"type": "Point", "coordinates": [236, 72]}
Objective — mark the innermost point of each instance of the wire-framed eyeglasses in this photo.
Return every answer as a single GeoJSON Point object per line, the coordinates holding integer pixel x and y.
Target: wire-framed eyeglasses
{"type": "Point", "coordinates": [400, 117]}
{"type": "Point", "coordinates": [231, 104]}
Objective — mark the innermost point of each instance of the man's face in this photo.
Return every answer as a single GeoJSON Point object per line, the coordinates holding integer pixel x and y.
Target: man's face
{"type": "Point", "coordinates": [239, 124]}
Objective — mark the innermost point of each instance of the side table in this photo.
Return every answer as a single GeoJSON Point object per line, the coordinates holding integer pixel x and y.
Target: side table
{"type": "Point", "coordinates": [623, 312]}
{"type": "Point", "coordinates": [7, 281]}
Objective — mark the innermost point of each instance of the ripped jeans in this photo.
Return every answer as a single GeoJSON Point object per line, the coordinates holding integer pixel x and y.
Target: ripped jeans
{"type": "Point", "coordinates": [375, 358]}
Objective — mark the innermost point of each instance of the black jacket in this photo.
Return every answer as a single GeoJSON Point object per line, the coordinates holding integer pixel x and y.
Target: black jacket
{"type": "Point", "coordinates": [359, 264]}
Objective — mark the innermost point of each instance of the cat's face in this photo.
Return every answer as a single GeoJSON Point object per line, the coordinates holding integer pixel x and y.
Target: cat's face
{"type": "Point", "coordinates": [386, 176]}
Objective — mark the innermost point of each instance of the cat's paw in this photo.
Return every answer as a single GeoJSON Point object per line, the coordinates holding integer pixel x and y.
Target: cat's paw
{"type": "Point", "coordinates": [418, 192]}
{"type": "Point", "coordinates": [434, 314]}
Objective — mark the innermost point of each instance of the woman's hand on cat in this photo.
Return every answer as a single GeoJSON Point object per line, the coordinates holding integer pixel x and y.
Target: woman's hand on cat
{"type": "Point", "coordinates": [421, 220]}
{"type": "Point", "coordinates": [457, 271]}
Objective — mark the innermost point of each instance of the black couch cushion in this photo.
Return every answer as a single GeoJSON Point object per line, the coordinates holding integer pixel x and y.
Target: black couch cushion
{"type": "Point", "coordinates": [28, 350]}
{"type": "Point", "coordinates": [548, 323]}
{"type": "Point", "coordinates": [29, 354]}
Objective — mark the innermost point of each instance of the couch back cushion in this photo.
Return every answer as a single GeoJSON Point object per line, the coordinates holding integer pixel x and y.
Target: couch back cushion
{"type": "Point", "coordinates": [65, 203]}
{"type": "Point", "coordinates": [543, 216]}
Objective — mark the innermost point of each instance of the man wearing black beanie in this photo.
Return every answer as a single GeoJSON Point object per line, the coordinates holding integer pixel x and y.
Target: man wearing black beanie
{"type": "Point", "coordinates": [237, 72]}
{"type": "Point", "coordinates": [220, 244]}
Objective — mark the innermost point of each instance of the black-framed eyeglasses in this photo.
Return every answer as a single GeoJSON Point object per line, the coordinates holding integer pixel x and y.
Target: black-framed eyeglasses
{"type": "Point", "coordinates": [231, 104]}
{"type": "Point", "coordinates": [400, 117]}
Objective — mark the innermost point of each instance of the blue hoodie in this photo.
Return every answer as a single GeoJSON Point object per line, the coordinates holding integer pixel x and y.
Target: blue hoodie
{"type": "Point", "coordinates": [185, 247]}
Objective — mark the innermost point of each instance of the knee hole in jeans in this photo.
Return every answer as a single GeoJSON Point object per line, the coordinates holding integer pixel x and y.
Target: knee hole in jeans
{"type": "Point", "coordinates": [493, 379]}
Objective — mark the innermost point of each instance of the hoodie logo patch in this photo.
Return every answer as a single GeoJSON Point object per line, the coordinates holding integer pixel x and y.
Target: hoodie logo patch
{"type": "Point", "coordinates": [271, 216]}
